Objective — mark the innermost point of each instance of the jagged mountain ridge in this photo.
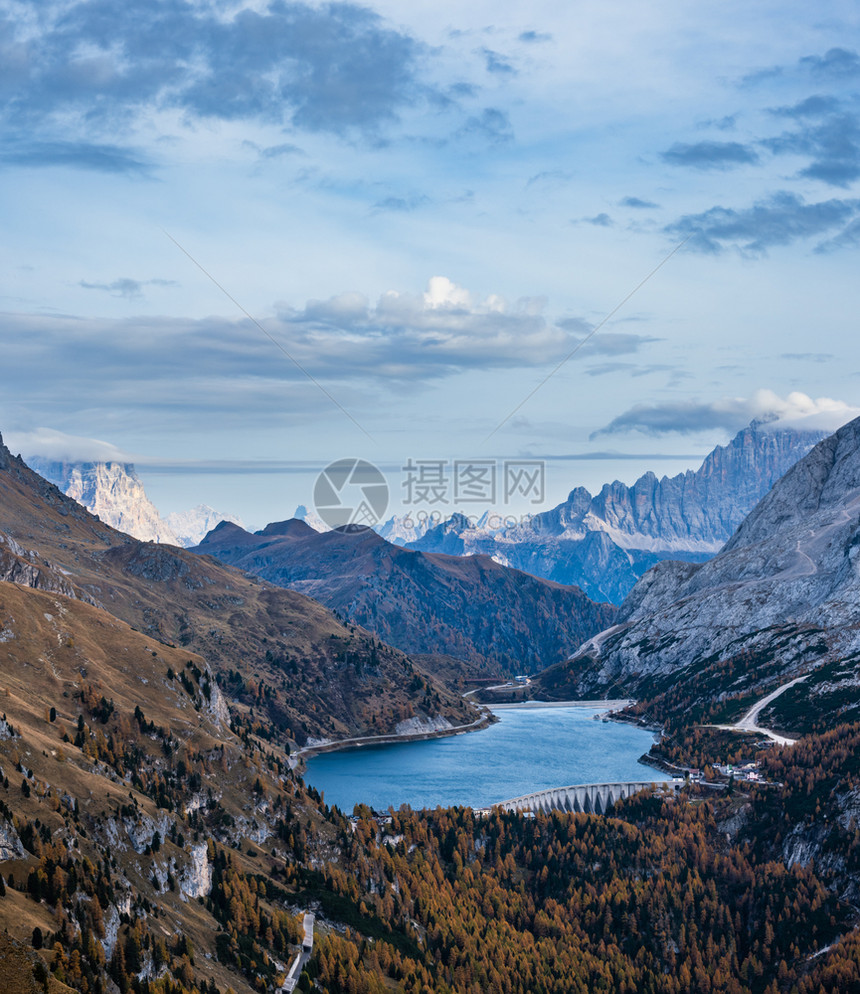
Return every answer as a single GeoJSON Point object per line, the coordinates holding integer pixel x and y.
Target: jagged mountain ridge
{"type": "Point", "coordinates": [780, 599]}
{"type": "Point", "coordinates": [471, 609]}
{"type": "Point", "coordinates": [324, 679]}
{"type": "Point", "coordinates": [604, 543]}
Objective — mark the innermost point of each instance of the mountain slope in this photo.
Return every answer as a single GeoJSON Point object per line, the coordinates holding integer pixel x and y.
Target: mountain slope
{"type": "Point", "coordinates": [149, 846]}
{"type": "Point", "coordinates": [135, 823]}
{"type": "Point", "coordinates": [306, 673]}
{"type": "Point", "coordinates": [146, 847]}
{"type": "Point", "coordinates": [604, 543]}
{"type": "Point", "coordinates": [781, 598]}
{"type": "Point", "coordinates": [472, 609]}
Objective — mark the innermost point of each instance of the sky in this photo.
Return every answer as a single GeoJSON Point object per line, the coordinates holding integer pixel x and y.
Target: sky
{"type": "Point", "coordinates": [243, 240]}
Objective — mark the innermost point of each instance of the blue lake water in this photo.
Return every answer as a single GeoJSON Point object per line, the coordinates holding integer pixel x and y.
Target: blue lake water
{"type": "Point", "coordinates": [529, 749]}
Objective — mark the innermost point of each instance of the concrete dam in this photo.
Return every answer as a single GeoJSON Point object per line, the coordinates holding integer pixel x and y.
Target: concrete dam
{"type": "Point", "coordinates": [590, 798]}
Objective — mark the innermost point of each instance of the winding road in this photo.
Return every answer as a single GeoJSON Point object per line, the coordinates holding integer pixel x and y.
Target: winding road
{"type": "Point", "coordinates": [749, 722]}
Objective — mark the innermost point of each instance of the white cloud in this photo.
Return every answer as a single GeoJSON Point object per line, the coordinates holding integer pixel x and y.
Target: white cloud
{"type": "Point", "coordinates": [798, 410]}
{"type": "Point", "coordinates": [441, 292]}
{"type": "Point", "coordinates": [733, 413]}
{"type": "Point", "coordinates": [60, 447]}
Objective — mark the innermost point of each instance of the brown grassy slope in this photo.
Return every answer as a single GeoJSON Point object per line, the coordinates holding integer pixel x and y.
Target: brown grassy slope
{"type": "Point", "coordinates": [318, 677]}
{"type": "Point", "coordinates": [18, 968]}
{"type": "Point", "coordinates": [492, 618]}
{"type": "Point", "coordinates": [185, 770]}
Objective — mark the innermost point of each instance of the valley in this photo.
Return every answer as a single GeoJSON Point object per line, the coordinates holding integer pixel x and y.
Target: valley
{"type": "Point", "coordinates": [460, 616]}
{"type": "Point", "coordinates": [164, 712]}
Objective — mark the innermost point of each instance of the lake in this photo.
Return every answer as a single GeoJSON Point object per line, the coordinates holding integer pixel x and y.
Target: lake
{"type": "Point", "coordinates": [529, 748]}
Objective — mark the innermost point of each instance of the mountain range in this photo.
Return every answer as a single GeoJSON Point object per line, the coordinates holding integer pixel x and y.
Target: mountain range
{"type": "Point", "coordinates": [780, 600]}
{"type": "Point", "coordinates": [154, 835]}
{"type": "Point", "coordinates": [604, 543]}
{"type": "Point", "coordinates": [279, 655]}
{"type": "Point", "coordinates": [600, 543]}
{"type": "Point", "coordinates": [447, 610]}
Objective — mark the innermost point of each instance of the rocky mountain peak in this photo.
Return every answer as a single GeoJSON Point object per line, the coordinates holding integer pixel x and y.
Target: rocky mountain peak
{"type": "Point", "coordinates": [293, 528]}
{"type": "Point", "coordinates": [688, 516]}
{"type": "Point", "coordinates": [779, 600]}
{"type": "Point", "coordinates": [826, 478]}
{"type": "Point", "coordinates": [190, 526]}
{"type": "Point", "coordinates": [111, 490]}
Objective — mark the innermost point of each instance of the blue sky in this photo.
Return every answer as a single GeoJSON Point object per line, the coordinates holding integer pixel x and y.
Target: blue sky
{"type": "Point", "coordinates": [424, 209]}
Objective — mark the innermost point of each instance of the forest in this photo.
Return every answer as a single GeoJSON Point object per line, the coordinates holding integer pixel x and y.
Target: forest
{"type": "Point", "coordinates": [654, 897]}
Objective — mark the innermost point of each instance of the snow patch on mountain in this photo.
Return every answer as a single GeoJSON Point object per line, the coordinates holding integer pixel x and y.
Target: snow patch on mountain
{"type": "Point", "coordinates": [403, 529]}
{"type": "Point", "coordinates": [190, 526]}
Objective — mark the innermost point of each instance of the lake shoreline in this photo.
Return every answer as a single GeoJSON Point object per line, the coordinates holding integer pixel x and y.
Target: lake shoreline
{"type": "Point", "coordinates": [394, 738]}
{"type": "Point", "coordinates": [603, 706]}
{"type": "Point", "coordinates": [525, 749]}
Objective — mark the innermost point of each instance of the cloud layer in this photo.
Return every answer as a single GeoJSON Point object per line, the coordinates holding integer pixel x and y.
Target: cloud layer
{"type": "Point", "coordinates": [335, 67]}
{"type": "Point", "coordinates": [232, 365]}
{"type": "Point", "coordinates": [61, 447]}
{"type": "Point", "coordinates": [781, 219]}
{"type": "Point", "coordinates": [730, 414]}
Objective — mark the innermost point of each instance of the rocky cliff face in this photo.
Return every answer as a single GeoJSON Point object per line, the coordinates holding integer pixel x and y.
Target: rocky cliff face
{"type": "Point", "coordinates": [781, 598]}
{"type": "Point", "coordinates": [604, 543]}
{"type": "Point", "coordinates": [24, 568]}
{"type": "Point", "coordinates": [111, 490]}
{"type": "Point", "coordinates": [115, 493]}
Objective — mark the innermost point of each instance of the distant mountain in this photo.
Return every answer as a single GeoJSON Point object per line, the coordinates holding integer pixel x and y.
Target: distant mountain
{"type": "Point", "coordinates": [402, 529]}
{"type": "Point", "coordinates": [604, 543]}
{"type": "Point", "coordinates": [115, 493]}
{"type": "Point", "coordinates": [469, 610]}
{"type": "Point", "coordinates": [189, 527]}
{"type": "Point", "coordinates": [782, 598]}
{"type": "Point", "coordinates": [281, 657]}
{"type": "Point", "coordinates": [111, 490]}
{"type": "Point", "coordinates": [302, 514]}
